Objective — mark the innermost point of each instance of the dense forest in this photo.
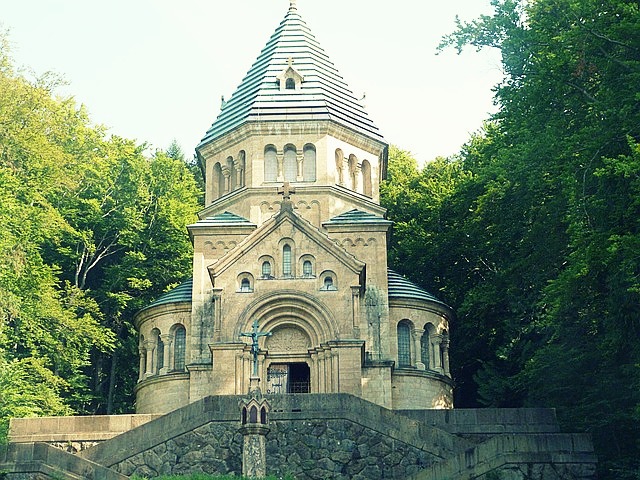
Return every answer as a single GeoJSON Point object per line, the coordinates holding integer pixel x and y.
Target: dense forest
{"type": "Point", "coordinates": [531, 233]}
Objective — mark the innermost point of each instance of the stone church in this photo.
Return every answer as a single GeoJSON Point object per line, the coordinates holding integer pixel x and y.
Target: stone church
{"type": "Point", "coordinates": [293, 236]}
{"type": "Point", "coordinates": [291, 293]}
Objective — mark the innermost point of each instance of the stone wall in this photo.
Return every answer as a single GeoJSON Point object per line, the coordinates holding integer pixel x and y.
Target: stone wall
{"type": "Point", "coordinates": [334, 436]}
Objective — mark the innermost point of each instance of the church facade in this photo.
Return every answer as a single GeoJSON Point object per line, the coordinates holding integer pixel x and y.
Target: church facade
{"type": "Point", "coordinates": [293, 237]}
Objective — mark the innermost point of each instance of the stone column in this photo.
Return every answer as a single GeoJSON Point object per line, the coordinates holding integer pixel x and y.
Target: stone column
{"type": "Point", "coordinates": [300, 162]}
{"type": "Point", "coordinates": [217, 313]}
{"type": "Point", "coordinates": [255, 426]}
{"type": "Point", "coordinates": [437, 357]}
{"type": "Point", "coordinates": [445, 356]}
{"type": "Point", "coordinates": [226, 173]}
{"type": "Point", "coordinates": [167, 353]}
{"type": "Point", "coordinates": [238, 169]}
{"type": "Point", "coordinates": [280, 158]}
{"type": "Point", "coordinates": [143, 362]}
{"type": "Point", "coordinates": [417, 336]}
{"type": "Point", "coordinates": [149, 347]}
{"type": "Point", "coordinates": [355, 305]}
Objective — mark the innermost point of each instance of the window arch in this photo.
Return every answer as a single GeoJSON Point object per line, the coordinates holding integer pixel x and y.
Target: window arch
{"type": "Point", "coordinates": [159, 355]}
{"type": "Point", "coordinates": [286, 260]}
{"type": "Point", "coordinates": [367, 188]}
{"type": "Point", "coordinates": [404, 344]}
{"type": "Point", "coordinates": [218, 180]}
{"type": "Point", "coordinates": [180, 344]}
{"type": "Point", "coordinates": [266, 269]}
{"type": "Point", "coordinates": [309, 163]}
{"type": "Point", "coordinates": [307, 268]}
{"type": "Point", "coordinates": [290, 166]}
{"type": "Point", "coordinates": [426, 350]}
{"type": "Point", "coordinates": [290, 84]}
{"type": "Point", "coordinates": [270, 164]}
{"type": "Point", "coordinates": [245, 282]}
{"type": "Point", "coordinates": [328, 281]}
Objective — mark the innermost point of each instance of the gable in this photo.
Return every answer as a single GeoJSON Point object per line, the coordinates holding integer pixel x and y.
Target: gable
{"type": "Point", "coordinates": [269, 240]}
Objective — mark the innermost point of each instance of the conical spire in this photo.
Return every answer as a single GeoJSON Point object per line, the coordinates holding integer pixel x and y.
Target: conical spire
{"type": "Point", "coordinates": [317, 91]}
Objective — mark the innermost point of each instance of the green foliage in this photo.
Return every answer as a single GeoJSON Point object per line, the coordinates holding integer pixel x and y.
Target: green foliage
{"type": "Point", "coordinates": [202, 476]}
{"type": "Point", "coordinates": [534, 239]}
{"type": "Point", "coordinates": [92, 229]}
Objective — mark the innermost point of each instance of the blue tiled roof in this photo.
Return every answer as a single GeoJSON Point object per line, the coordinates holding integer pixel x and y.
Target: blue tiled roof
{"type": "Point", "coordinates": [323, 94]}
{"type": "Point", "coordinates": [400, 287]}
{"type": "Point", "coordinates": [357, 216]}
{"type": "Point", "coordinates": [221, 219]}
{"type": "Point", "coordinates": [182, 293]}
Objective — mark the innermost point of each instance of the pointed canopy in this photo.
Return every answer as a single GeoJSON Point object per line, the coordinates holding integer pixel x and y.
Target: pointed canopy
{"type": "Point", "coordinates": [320, 93]}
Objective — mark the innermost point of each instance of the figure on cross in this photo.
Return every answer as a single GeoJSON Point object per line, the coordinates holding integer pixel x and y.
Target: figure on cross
{"type": "Point", "coordinates": [254, 334]}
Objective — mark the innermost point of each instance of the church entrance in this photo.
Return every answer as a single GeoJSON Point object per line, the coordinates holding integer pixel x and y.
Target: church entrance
{"type": "Point", "coordinates": [288, 378]}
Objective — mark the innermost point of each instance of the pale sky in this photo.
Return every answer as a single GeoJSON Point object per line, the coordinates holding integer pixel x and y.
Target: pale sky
{"type": "Point", "coordinates": [154, 70]}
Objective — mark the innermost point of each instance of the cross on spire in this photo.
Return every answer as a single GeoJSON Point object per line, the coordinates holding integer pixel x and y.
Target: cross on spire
{"type": "Point", "coordinates": [290, 62]}
{"type": "Point", "coordinates": [254, 334]}
{"type": "Point", "coordinates": [286, 190]}
{"type": "Point", "coordinates": [292, 5]}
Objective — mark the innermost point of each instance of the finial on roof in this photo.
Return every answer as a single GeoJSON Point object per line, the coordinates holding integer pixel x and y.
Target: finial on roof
{"type": "Point", "coordinates": [292, 5]}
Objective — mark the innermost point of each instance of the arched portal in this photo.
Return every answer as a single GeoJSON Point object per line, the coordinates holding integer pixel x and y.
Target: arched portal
{"type": "Point", "coordinates": [296, 357]}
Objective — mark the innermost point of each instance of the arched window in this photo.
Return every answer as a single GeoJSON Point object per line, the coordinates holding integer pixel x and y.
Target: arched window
{"type": "Point", "coordinates": [424, 348]}
{"type": "Point", "coordinates": [404, 344]}
{"type": "Point", "coordinates": [218, 181]}
{"type": "Point", "coordinates": [286, 260]}
{"type": "Point", "coordinates": [309, 163]}
{"type": "Point", "coordinates": [367, 188]}
{"type": "Point", "coordinates": [290, 84]}
{"type": "Point", "coordinates": [328, 283]}
{"type": "Point", "coordinates": [263, 416]}
{"type": "Point", "coordinates": [180, 343]}
{"type": "Point", "coordinates": [160, 354]}
{"type": "Point", "coordinates": [245, 285]}
{"type": "Point", "coordinates": [290, 164]}
{"type": "Point", "coordinates": [253, 414]}
{"type": "Point", "coordinates": [242, 165]}
{"type": "Point", "coordinates": [266, 269]}
{"type": "Point", "coordinates": [270, 164]}
{"type": "Point", "coordinates": [307, 269]}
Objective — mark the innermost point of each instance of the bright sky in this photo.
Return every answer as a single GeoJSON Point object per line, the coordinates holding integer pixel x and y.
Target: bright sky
{"type": "Point", "coordinates": [154, 70]}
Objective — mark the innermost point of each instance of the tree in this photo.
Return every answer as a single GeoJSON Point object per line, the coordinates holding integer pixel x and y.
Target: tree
{"type": "Point", "coordinates": [540, 237]}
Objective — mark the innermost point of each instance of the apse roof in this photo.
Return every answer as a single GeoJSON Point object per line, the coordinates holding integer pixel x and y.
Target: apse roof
{"type": "Point", "coordinates": [400, 287]}
{"type": "Point", "coordinates": [225, 218]}
{"type": "Point", "coordinates": [356, 216]}
{"type": "Point", "coordinates": [182, 293]}
{"type": "Point", "coordinates": [320, 94]}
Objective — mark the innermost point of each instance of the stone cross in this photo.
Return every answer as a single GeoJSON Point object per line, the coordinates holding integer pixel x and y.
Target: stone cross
{"type": "Point", "coordinates": [255, 335]}
{"type": "Point", "coordinates": [286, 190]}
{"type": "Point", "coordinates": [290, 62]}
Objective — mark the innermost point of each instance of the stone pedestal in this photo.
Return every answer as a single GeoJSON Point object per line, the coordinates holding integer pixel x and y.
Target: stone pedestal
{"type": "Point", "coordinates": [255, 420]}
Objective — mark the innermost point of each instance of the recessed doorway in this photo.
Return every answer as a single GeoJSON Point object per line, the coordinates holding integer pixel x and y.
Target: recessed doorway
{"type": "Point", "coordinates": [288, 378]}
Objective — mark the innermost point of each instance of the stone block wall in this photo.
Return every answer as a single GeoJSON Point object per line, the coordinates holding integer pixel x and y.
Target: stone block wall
{"type": "Point", "coordinates": [333, 436]}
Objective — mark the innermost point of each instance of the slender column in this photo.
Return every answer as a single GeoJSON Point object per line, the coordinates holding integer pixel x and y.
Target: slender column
{"type": "Point", "coordinates": [150, 347]}
{"type": "Point", "coordinates": [445, 356]}
{"type": "Point", "coordinates": [166, 354]}
{"type": "Point", "coordinates": [238, 169]}
{"type": "Point", "coordinates": [217, 314]}
{"type": "Point", "coordinates": [335, 378]}
{"type": "Point", "coordinates": [300, 161]}
{"type": "Point", "coordinates": [355, 309]}
{"type": "Point", "coordinates": [143, 362]}
{"type": "Point", "coordinates": [417, 334]}
{"type": "Point", "coordinates": [437, 357]}
{"type": "Point", "coordinates": [280, 158]}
